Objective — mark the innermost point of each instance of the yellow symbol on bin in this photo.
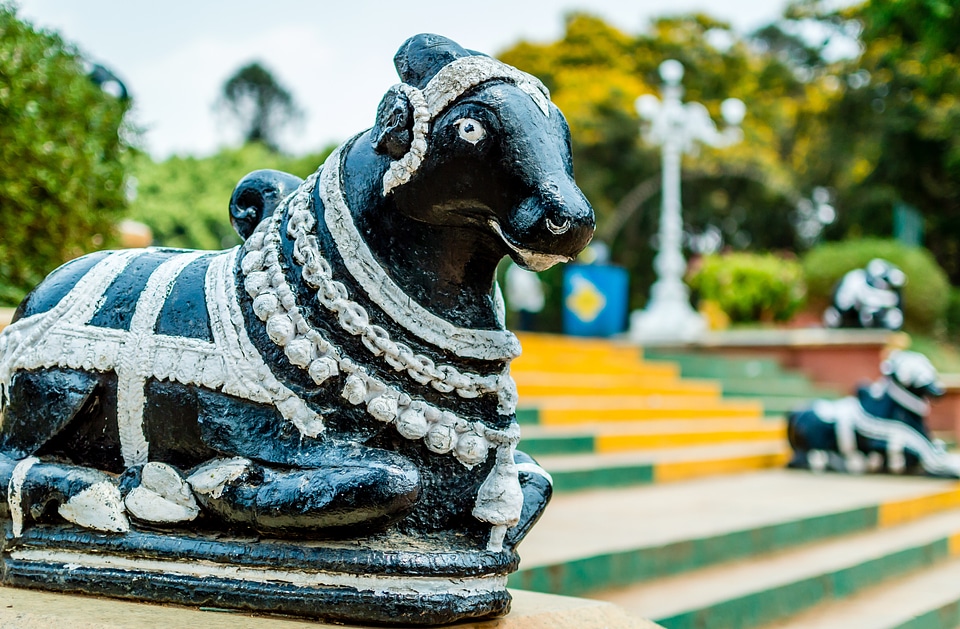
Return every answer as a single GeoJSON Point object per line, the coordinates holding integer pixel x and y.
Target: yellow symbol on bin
{"type": "Point", "coordinates": [585, 299]}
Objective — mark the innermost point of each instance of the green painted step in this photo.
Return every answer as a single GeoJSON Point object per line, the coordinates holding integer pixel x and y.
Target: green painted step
{"type": "Point", "coordinates": [652, 532]}
{"type": "Point", "coordinates": [788, 386]}
{"type": "Point", "coordinates": [753, 609]}
{"type": "Point", "coordinates": [623, 568]}
{"type": "Point", "coordinates": [766, 589]}
{"type": "Point", "coordinates": [929, 599]}
{"type": "Point", "coordinates": [528, 416]}
{"type": "Point", "coordinates": [778, 390]}
{"type": "Point", "coordinates": [558, 444]}
{"type": "Point", "coordinates": [717, 367]}
{"type": "Point", "coordinates": [781, 405]}
{"type": "Point", "coordinates": [579, 472]}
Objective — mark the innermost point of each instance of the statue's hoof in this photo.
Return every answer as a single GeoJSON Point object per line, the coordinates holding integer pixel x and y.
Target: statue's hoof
{"type": "Point", "coordinates": [98, 507]}
{"type": "Point", "coordinates": [162, 497]}
{"type": "Point", "coordinates": [818, 460]}
{"type": "Point", "coordinates": [213, 477]}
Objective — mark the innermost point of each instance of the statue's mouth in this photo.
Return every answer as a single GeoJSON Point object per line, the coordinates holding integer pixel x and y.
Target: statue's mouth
{"type": "Point", "coordinates": [530, 260]}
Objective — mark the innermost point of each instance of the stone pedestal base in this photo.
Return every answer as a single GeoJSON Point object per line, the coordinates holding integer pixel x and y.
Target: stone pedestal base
{"type": "Point", "coordinates": [389, 581]}
{"type": "Point", "coordinates": [30, 609]}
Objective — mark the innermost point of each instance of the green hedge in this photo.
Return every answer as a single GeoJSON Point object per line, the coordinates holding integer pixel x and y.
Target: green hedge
{"type": "Point", "coordinates": [750, 287]}
{"type": "Point", "coordinates": [925, 295]}
{"type": "Point", "coordinates": [61, 172]}
{"type": "Point", "coordinates": [952, 315]}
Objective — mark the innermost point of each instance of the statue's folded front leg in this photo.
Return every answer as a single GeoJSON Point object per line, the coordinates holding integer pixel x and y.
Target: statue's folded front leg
{"type": "Point", "coordinates": [361, 488]}
{"type": "Point", "coordinates": [31, 489]}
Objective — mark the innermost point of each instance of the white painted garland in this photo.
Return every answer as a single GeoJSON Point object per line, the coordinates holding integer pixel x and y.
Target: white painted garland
{"type": "Point", "coordinates": [850, 418]}
{"type": "Point", "coordinates": [267, 285]}
{"type": "Point", "coordinates": [384, 292]}
{"type": "Point", "coordinates": [275, 304]}
{"type": "Point", "coordinates": [500, 499]}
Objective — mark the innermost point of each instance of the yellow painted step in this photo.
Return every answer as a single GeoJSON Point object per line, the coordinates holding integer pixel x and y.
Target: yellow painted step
{"type": "Point", "coordinates": [672, 471]}
{"type": "Point", "coordinates": [678, 433]}
{"type": "Point", "coordinates": [534, 340]}
{"type": "Point", "coordinates": [746, 407]}
{"type": "Point", "coordinates": [681, 463]}
{"type": "Point", "coordinates": [540, 385]}
{"type": "Point", "coordinates": [682, 439]}
{"type": "Point", "coordinates": [559, 364]}
{"type": "Point", "coordinates": [705, 412]}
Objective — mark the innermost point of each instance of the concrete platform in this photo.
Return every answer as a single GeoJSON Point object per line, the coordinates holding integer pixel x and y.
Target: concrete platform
{"type": "Point", "coordinates": [29, 609]}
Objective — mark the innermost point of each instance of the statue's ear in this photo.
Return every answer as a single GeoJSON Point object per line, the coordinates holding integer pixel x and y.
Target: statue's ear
{"type": "Point", "coordinates": [422, 56]}
{"type": "Point", "coordinates": [256, 196]}
{"type": "Point", "coordinates": [393, 132]}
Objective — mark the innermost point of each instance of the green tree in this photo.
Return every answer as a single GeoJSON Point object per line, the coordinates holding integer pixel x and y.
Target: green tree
{"type": "Point", "coordinates": [61, 172]}
{"type": "Point", "coordinates": [260, 105]}
{"type": "Point", "coordinates": [747, 192]}
{"type": "Point", "coordinates": [894, 129]}
{"type": "Point", "coordinates": [185, 200]}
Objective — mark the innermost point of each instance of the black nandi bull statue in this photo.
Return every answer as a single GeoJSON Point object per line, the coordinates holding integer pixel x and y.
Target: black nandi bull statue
{"type": "Point", "coordinates": [881, 428]}
{"type": "Point", "coordinates": [318, 422]}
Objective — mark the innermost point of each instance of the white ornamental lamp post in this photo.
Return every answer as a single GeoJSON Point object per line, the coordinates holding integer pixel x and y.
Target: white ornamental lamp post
{"type": "Point", "coordinates": [677, 128]}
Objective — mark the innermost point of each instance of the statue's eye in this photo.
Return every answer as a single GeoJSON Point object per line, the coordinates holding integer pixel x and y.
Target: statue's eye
{"type": "Point", "coordinates": [470, 130]}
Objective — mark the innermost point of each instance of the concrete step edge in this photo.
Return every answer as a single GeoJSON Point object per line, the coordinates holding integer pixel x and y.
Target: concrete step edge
{"type": "Point", "coordinates": [762, 589]}
{"type": "Point", "coordinates": [926, 599]}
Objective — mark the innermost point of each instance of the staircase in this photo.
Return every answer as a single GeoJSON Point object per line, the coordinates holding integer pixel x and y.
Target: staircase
{"type": "Point", "coordinates": [767, 547]}
{"type": "Point", "coordinates": [763, 379]}
{"type": "Point", "coordinates": [597, 415]}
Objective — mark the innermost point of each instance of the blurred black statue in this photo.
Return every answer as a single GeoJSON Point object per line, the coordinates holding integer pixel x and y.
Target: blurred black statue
{"type": "Point", "coordinates": [320, 421]}
{"type": "Point", "coordinates": [881, 428]}
{"type": "Point", "coordinates": [868, 298]}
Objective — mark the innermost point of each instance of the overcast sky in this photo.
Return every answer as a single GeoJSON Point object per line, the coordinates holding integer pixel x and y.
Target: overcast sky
{"type": "Point", "coordinates": [335, 57]}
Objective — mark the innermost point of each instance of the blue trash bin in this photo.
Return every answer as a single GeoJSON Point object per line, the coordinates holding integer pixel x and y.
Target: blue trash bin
{"type": "Point", "coordinates": [594, 299]}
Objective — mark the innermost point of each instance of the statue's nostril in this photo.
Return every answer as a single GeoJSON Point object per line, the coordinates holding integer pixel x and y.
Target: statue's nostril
{"type": "Point", "coordinates": [562, 228]}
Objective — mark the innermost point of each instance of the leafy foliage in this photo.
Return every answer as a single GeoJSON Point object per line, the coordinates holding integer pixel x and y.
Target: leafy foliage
{"type": "Point", "coordinates": [952, 315]}
{"type": "Point", "coordinates": [924, 296]}
{"type": "Point", "coordinates": [259, 103]}
{"type": "Point", "coordinates": [747, 192]}
{"type": "Point", "coordinates": [61, 172]}
{"type": "Point", "coordinates": [185, 200]}
{"type": "Point", "coordinates": [750, 287]}
{"type": "Point", "coordinates": [894, 125]}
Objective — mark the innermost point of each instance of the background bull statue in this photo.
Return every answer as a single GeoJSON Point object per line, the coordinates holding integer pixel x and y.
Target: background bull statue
{"type": "Point", "coordinates": [868, 298]}
{"type": "Point", "coordinates": [320, 421]}
{"type": "Point", "coordinates": [881, 428]}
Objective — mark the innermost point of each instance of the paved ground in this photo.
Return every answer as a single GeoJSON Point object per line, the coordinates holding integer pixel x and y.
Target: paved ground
{"type": "Point", "coordinates": [28, 609]}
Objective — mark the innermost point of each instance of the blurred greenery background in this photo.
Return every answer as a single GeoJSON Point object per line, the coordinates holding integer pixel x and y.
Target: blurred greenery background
{"type": "Point", "coordinates": [835, 150]}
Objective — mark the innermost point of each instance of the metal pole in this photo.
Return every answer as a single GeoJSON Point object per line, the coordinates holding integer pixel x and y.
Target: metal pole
{"type": "Point", "coordinates": [669, 317]}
